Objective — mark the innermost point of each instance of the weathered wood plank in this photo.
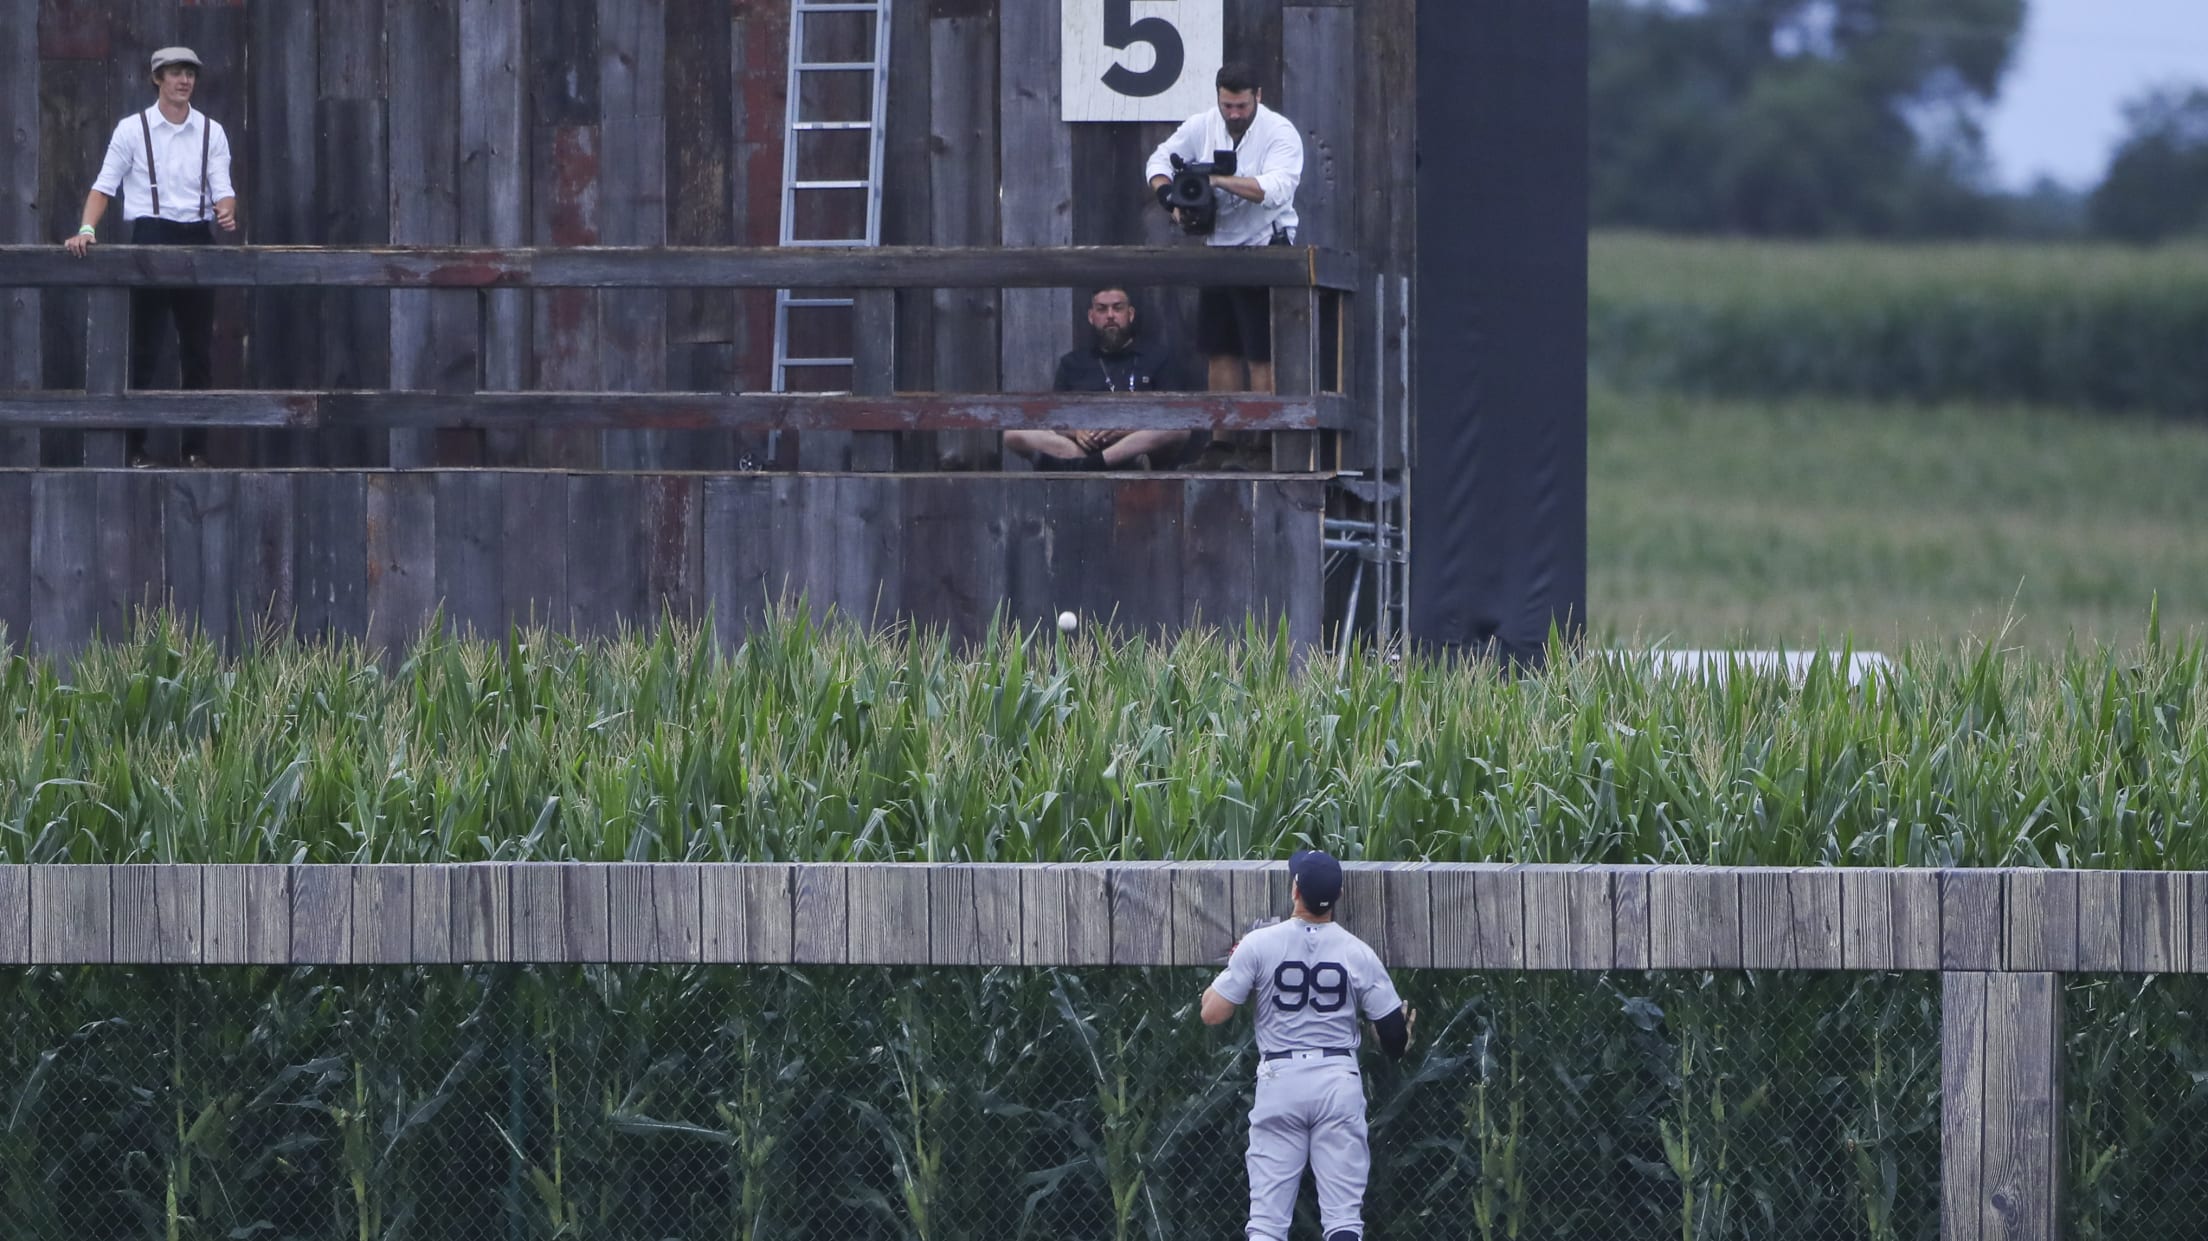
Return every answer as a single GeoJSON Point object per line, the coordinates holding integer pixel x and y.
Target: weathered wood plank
{"type": "Point", "coordinates": [1045, 914]}
{"type": "Point", "coordinates": [383, 914]}
{"type": "Point", "coordinates": [723, 901]}
{"type": "Point", "coordinates": [535, 566]}
{"type": "Point", "coordinates": [2157, 934]}
{"type": "Point", "coordinates": [540, 920]}
{"type": "Point", "coordinates": [20, 309]}
{"type": "Point", "coordinates": [64, 519]}
{"type": "Point", "coordinates": [1630, 924]}
{"type": "Point", "coordinates": [402, 557]}
{"type": "Point", "coordinates": [1142, 914]}
{"type": "Point", "coordinates": [330, 583]}
{"type": "Point", "coordinates": [1088, 914]}
{"type": "Point", "coordinates": [179, 896]}
{"type": "Point", "coordinates": [821, 914]}
{"type": "Point", "coordinates": [1410, 916]}
{"type": "Point", "coordinates": [606, 542]}
{"type": "Point", "coordinates": [974, 265]}
{"type": "Point", "coordinates": [1588, 895]}
{"type": "Point", "coordinates": [585, 893]}
{"type": "Point", "coordinates": [137, 925]}
{"type": "Point", "coordinates": [1867, 915]}
{"type": "Point", "coordinates": [247, 918]}
{"type": "Point", "coordinates": [471, 541]}
{"type": "Point", "coordinates": [483, 912]}
{"type": "Point", "coordinates": [890, 914]}
{"type": "Point", "coordinates": [1914, 898]}
{"type": "Point", "coordinates": [657, 912]}
{"type": "Point", "coordinates": [16, 574]}
{"type": "Point", "coordinates": [430, 911]}
{"type": "Point", "coordinates": [15, 914]}
{"type": "Point", "coordinates": [1694, 918]}
{"type": "Point", "coordinates": [1036, 206]}
{"type": "Point", "coordinates": [1790, 918]}
{"type": "Point", "coordinates": [2042, 911]}
{"type": "Point", "coordinates": [1548, 915]}
{"type": "Point", "coordinates": [1962, 1105]}
{"type": "Point", "coordinates": [1498, 917]}
{"type": "Point", "coordinates": [1289, 544]}
{"type": "Point", "coordinates": [1970, 919]}
{"type": "Point", "coordinates": [963, 210]}
{"type": "Point", "coordinates": [278, 149]}
{"type": "Point", "coordinates": [2100, 920]}
{"type": "Point", "coordinates": [432, 341]}
{"type": "Point", "coordinates": [1251, 895]}
{"type": "Point", "coordinates": [322, 915]}
{"type": "Point", "coordinates": [493, 198]}
{"type": "Point", "coordinates": [2023, 1165]}
{"type": "Point", "coordinates": [1203, 900]}
{"type": "Point", "coordinates": [71, 916]}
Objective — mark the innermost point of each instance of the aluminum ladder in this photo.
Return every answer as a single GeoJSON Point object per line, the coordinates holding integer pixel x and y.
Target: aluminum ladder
{"type": "Point", "coordinates": [816, 120]}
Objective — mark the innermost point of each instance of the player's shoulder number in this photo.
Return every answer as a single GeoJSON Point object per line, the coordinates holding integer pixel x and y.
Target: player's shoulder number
{"type": "Point", "coordinates": [1323, 986]}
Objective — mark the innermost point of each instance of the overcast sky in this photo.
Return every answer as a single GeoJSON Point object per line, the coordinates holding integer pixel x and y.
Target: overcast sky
{"type": "Point", "coordinates": [2061, 108]}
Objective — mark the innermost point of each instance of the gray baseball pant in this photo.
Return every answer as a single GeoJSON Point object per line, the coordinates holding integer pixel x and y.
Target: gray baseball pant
{"type": "Point", "coordinates": [1308, 1112]}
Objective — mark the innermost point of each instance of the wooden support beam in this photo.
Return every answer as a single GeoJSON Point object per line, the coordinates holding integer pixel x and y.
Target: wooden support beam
{"type": "Point", "coordinates": [670, 411]}
{"type": "Point", "coordinates": [679, 267]}
{"type": "Point", "coordinates": [2001, 1127]}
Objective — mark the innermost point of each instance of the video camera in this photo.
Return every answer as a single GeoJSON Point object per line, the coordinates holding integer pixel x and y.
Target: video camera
{"type": "Point", "coordinates": [1189, 192]}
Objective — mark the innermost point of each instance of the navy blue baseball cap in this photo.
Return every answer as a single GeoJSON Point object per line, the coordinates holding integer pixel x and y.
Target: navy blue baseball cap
{"type": "Point", "coordinates": [1318, 876]}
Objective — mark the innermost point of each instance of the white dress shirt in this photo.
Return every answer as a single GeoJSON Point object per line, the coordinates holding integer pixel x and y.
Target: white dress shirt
{"type": "Point", "coordinates": [176, 150]}
{"type": "Point", "coordinates": [1271, 151]}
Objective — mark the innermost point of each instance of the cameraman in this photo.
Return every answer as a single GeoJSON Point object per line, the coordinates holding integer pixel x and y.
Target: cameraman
{"type": "Point", "coordinates": [1256, 207]}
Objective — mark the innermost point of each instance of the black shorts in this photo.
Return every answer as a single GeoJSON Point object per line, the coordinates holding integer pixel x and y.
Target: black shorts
{"type": "Point", "coordinates": [1235, 323]}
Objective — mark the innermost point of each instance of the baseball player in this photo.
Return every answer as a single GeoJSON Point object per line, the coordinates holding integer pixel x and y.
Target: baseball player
{"type": "Point", "coordinates": [1312, 980]}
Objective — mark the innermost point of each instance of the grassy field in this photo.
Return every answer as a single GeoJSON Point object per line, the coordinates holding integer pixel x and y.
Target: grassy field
{"type": "Point", "coordinates": [1805, 521]}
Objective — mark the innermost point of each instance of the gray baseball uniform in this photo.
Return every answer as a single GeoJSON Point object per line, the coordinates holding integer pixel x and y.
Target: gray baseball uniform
{"type": "Point", "coordinates": [1312, 982]}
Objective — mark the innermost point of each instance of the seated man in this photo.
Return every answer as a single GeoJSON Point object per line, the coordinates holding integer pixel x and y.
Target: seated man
{"type": "Point", "coordinates": [1118, 361]}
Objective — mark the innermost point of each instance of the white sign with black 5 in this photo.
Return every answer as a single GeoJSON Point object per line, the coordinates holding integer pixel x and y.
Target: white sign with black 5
{"type": "Point", "coordinates": [1141, 60]}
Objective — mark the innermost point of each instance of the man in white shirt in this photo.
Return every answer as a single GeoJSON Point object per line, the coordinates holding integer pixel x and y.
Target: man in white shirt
{"type": "Point", "coordinates": [170, 165]}
{"type": "Point", "coordinates": [1257, 207]}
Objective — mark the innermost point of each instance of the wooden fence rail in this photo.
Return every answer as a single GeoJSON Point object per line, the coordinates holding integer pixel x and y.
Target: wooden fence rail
{"type": "Point", "coordinates": [679, 267]}
{"type": "Point", "coordinates": [1426, 916]}
{"type": "Point", "coordinates": [2001, 938]}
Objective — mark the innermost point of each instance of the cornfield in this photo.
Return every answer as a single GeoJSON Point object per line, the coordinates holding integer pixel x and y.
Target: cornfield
{"type": "Point", "coordinates": [471, 1103]}
{"type": "Point", "coordinates": [2080, 327]}
{"type": "Point", "coordinates": [826, 743]}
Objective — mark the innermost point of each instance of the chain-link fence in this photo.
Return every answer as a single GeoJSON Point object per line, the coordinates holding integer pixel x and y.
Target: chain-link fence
{"type": "Point", "coordinates": [2135, 1087]}
{"type": "Point", "coordinates": [482, 1104]}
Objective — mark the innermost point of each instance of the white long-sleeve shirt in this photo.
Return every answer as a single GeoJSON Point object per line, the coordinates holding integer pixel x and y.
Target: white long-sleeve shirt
{"type": "Point", "coordinates": [1270, 150]}
{"type": "Point", "coordinates": [176, 150]}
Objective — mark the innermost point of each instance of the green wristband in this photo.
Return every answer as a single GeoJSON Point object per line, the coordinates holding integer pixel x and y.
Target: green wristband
{"type": "Point", "coordinates": [86, 230]}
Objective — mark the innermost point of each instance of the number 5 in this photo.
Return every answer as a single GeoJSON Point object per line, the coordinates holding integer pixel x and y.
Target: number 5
{"type": "Point", "coordinates": [1122, 31]}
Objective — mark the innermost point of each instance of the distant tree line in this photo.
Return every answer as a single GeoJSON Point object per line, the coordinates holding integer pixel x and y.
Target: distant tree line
{"type": "Point", "coordinates": [1857, 118]}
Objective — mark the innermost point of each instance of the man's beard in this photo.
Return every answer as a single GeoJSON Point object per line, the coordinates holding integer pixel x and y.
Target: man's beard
{"type": "Point", "coordinates": [1114, 340]}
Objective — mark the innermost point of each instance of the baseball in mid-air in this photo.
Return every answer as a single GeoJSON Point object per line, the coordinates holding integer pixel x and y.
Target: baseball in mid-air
{"type": "Point", "coordinates": [1067, 621]}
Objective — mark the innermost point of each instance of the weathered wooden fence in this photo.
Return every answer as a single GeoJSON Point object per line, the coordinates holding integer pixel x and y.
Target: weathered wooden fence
{"type": "Point", "coordinates": [574, 429]}
{"type": "Point", "coordinates": [2002, 940]}
{"type": "Point", "coordinates": [375, 555]}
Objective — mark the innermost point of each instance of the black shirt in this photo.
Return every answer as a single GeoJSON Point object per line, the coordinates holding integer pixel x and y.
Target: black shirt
{"type": "Point", "coordinates": [1140, 367]}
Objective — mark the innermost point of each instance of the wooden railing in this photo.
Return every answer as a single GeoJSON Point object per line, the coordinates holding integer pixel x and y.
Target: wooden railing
{"type": "Point", "coordinates": [1301, 280]}
{"type": "Point", "coordinates": [2002, 940]}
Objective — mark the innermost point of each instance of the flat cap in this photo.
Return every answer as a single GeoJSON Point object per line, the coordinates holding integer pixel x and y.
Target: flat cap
{"type": "Point", "coordinates": [174, 56]}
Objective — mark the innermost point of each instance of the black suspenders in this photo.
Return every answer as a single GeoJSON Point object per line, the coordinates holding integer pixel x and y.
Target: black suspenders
{"type": "Point", "coordinates": [153, 172]}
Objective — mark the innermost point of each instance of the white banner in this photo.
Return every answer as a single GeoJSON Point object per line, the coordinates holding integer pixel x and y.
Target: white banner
{"type": "Point", "coordinates": [1141, 60]}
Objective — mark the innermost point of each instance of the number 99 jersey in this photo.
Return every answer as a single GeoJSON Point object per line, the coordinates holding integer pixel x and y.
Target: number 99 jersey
{"type": "Point", "coordinates": [1313, 980]}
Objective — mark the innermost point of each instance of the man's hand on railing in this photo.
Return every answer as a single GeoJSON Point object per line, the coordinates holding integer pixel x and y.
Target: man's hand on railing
{"type": "Point", "coordinates": [80, 243]}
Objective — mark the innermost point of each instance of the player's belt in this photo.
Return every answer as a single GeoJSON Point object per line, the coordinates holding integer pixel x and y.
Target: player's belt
{"type": "Point", "coordinates": [1308, 1052]}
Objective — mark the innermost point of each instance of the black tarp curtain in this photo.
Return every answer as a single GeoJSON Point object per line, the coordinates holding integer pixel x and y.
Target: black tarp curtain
{"type": "Point", "coordinates": [1499, 493]}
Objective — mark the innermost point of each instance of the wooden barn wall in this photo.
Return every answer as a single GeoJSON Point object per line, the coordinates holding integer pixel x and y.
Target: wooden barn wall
{"type": "Point", "coordinates": [374, 554]}
{"type": "Point", "coordinates": [639, 122]}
